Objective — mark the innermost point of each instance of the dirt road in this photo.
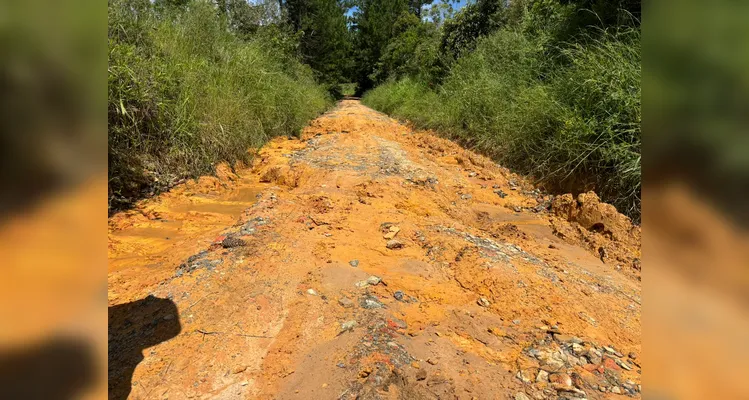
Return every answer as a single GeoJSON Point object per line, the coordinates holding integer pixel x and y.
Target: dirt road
{"type": "Point", "coordinates": [366, 260]}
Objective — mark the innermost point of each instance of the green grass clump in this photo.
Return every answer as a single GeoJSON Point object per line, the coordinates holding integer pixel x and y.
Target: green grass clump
{"type": "Point", "coordinates": [572, 120]}
{"type": "Point", "coordinates": [185, 94]}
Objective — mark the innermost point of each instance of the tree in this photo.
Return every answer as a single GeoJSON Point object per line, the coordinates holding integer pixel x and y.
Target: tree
{"type": "Point", "coordinates": [373, 25]}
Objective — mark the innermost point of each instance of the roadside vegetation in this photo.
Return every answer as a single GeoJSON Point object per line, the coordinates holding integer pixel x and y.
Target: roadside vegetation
{"type": "Point", "coordinates": [550, 89]}
{"type": "Point", "coordinates": [192, 84]}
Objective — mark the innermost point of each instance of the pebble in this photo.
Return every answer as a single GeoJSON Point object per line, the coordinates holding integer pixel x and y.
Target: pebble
{"type": "Point", "coordinates": [421, 375]}
{"type": "Point", "coordinates": [516, 321]}
{"type": "Point", "coordinates": [521, 396]}
{"type": "Point", "coordinates": [345, 302]}
{"type": "Point", "coordinates": [562, 379]}
{"type": "Point", "coordinates": [542, 376]}
{"type": "Point", "coordinates": [361, 284]}
{"type": "Point", "coordinates": [354, 263]}
{"type": "Point", "coordinates": [365, 372]}
{"type": "Point", "coordinates": [394, 244]}
{"type": "Point", "coordinates": [500, 193]}
{"type": "Point", "coordinates": [370, 302]}
{"type": "Point", "coordinates": [466, 196]}
{"type": "Point", "coordinates": [393, 230]}
{"type": "Point", "coordinates": [374, 280]}
{"type": "Point", "coordinates": [341, 365]}
{"type": "Point", "coordinates": [312, 292]}
{"type": "Point", "coordinates": [431, 361]}
{"type": "Point", "coordinates": [616, 390]}
{"type": "Point", "coordinates": [398, 295]}
{"type": "Point", "coordinates": [348, 325]}
{"type": "Point", "coordinates": [471, 174]}
{"type": "Point", "coordinates": [632, 355]}
{"type": "Point", "coordinates": [483, 302]}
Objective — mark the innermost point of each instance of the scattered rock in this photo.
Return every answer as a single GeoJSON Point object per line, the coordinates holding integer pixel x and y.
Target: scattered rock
{"type": "Point", "coordinates": [567, 339]}
{"type": "Point", "coordinates": [361, 284]}
{"type": "Point", "coordinates": [347, 326]}
{"type": "Point", "coordinates": [374, 280]}
{"type": "Point", "coordinates": [466, 196]}
{"type": "Point", "coordinates": [471, 174]}
{"type": "Point", "coordinates": [394, 244]}
{"type": "Point", "coordinates": [370, 302]}
{"type": "Point", "coordinates": [230, 242]}
{"type": "Point", "coordinates": [521, 396]}
{"type": "Point", "coordinates": [365, 372]}
{"type": "Point", "coordinates": [392, 231]}
{"type": "Point", "coordinates": [542, 376]}
{"type": "Point", "coordinates": [398, 295]}
{"type": "Point", "coordinates": [516, 321]}
{"type": "Point", "coordinates": [239, 369]}
{"type": "Point", "coordinates": [354, 263]}
{"type": "Point", "coordinates": [421, 375]}
{"type": "Point", "coordinates": [562, 379]}
{"type": "Point", "coordinates": [341, 365]}
{"type": "Point", "coordinates": [616, 390]}
{"type": "Point", "coordinates": [632, 355]}
{"type": "Point", "coordinates": [483, 302]}
{"type": "Point", "coordinates": [623, 364]}
{"type": "Point", "coordinates": [311, 292]}
{"type": "Point", "coordinates": [345, 302]}
{"type": "Point", "coordinates": [500, 193]}
{"type": "Point", "coordinates": [432, 361]}
{"type": "Point", "coordinates": [523, 377]}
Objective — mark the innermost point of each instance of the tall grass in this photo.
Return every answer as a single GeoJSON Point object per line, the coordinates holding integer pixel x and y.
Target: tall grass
{"type": "Point", "coordinates": [572, 121]}
{"type": "Point", "coordinates": [185, 94]}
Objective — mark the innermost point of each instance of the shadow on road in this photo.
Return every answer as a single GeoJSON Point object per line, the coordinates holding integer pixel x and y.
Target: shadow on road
{"type": "Point", "coordinates": [134, 327]}
{"type": "Point", "coordinates": [61, 368]}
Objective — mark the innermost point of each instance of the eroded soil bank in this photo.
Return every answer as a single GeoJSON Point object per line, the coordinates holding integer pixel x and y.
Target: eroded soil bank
{"type": "Point", "coordinates": [366, 260]}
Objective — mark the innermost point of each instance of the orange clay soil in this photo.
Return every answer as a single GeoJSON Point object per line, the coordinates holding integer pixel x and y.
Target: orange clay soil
{"type": "Point", "coordinates": [366, 260]}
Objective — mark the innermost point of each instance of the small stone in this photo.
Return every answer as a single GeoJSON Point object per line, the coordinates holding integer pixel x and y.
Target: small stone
{"type": "Point", "coordinates": [616, 390]}
{"type": "Point", "coordinates": [393, 230]}
{"type": "Point", "coordinates": [421, 375]}
{"type": "Point", "coordinates": [521, 396]}
{"type": "Point", "coordinates": [345, 302]}
{"type": "Point", "coordinates": [500, 193]}
{"type": "Point", "coordinates": [471, 174]}
{"type": "Point", "coordinates": [230, 242]}
{"type": "Point", "coordinates": [324, 385]}
{"type": "Point", "coordinates": [623, 364]}
{"type": "Point", "coordinates": [561, 379]}
{"type": "Point", "coordinates": [431, 361]}
{"type": "Point", "coordinates": [394, 244]}
{"type": "Point", "coordinates": [348, 326]}
{"type": "Point", "coordinates": [632, 355]}
{"type": "Point", "coordinates": [354, 263]}
{"type": "Point", "coordinates": [361, 284]}
{"type": "Point", "coordinates": [483, 302]}
{"type": "Point", "coordinates": [244, 383]}
{"type": "Point", "coordinates": [522, 377]}
{"type": "Point", "coordinates": [365, 372]}
{"type": "Point", "coordinates": [577, 349]}
{"type": "Point", "coordinates": [311, 292]}
{"type": "Point", "coordinates": [466, 196]}
{"type": "Point", "coordinates": [542, 376]}
{"type": "Point", "coordinates": [374, 280]}
{"type": "Point", "coordinates": [341, 365]}
{"type": "Point", "coordinates": [516, 321]}
{"type": "Point", "coordinates": [370, 302]}
{"type": "Point", "coordinates": [398, 295]}
{"type": "Point", "coordinates": [602, 389]}
{"type": "Point", "coordinates": [416, 365]}
{"type": "Point", "coordinates": [239, 369]}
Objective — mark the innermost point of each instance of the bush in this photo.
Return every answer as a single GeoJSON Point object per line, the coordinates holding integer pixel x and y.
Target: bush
{"type": "Point", "coordinates": [185, 94]}
{"type": "Point", "coordinates": [574, 121]}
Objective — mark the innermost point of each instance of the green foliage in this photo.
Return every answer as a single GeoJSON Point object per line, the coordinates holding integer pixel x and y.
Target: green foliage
{"type": "Point", "coordinates": [324, 40]}
{"type": "Point", "coordinates": [573, 121]}
{"type": "Point", "coordinates": [185, 93]}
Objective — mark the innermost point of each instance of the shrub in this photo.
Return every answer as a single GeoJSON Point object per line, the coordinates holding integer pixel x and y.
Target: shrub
{"type": "Point", "coordinates": [572, 121]}
{"type": "Point", "coordinates": [185, 93]}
